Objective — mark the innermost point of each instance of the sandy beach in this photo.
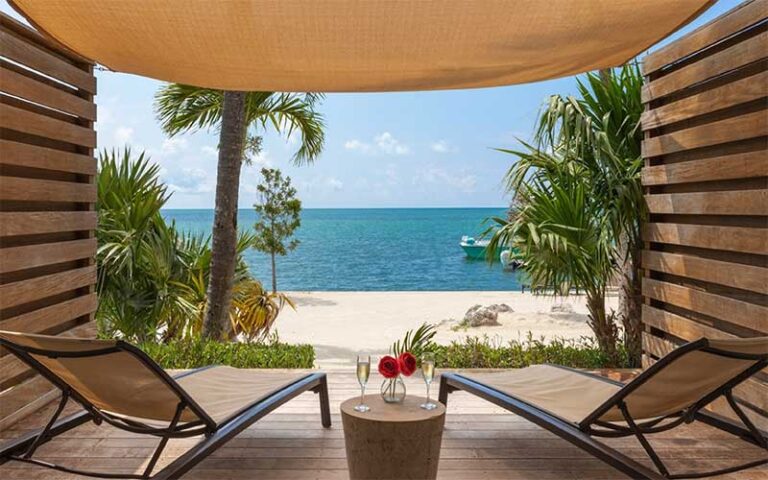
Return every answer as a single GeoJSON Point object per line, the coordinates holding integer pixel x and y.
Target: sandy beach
{"type": "Point", "coordinates": [341, 324]}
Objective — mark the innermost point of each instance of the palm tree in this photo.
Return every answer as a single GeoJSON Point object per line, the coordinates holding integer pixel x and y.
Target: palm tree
{"type": "Point", "coordinates": [598, 135]}
{"type": "Point", "coordinates": [238, 116]}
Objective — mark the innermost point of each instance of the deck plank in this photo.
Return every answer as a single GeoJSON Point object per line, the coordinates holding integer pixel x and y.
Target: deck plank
{"type": "Point", "coordinates": [480, 441]}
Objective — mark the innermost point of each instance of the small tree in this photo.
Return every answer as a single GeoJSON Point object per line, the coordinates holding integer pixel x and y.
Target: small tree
{"type": "Point", "coordinates": [279, 216]}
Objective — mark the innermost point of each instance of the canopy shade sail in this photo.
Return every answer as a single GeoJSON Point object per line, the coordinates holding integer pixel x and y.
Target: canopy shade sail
{"type": "Point", "coordinates": [356, 45]}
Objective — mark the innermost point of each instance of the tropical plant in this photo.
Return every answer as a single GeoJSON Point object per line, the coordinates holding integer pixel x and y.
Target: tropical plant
{"type": "Point", "coordinates": [279, 215]}
{"type": "Point", "coordinates": [416, 341]}
{"type": "Point", "coordinates": [594, 139]}
{"type": "Point", "coordinates": [152, 279]}
{"type": "Point", "coordinates": [183, 108]}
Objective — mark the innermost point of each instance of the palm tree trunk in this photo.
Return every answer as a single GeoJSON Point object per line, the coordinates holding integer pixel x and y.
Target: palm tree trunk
{"type": "Point", "coordinates": [274, 274]}
{"type": "Point", "coordinates": [603, 327]}
{"type": "Point", "coordinates": [216, 324]}
{"type": "Point", "coordinates": [631, 301]}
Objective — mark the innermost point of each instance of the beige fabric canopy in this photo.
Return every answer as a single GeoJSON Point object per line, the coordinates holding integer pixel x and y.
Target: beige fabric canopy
{"type": "Point", "coordinates": [354, 45]}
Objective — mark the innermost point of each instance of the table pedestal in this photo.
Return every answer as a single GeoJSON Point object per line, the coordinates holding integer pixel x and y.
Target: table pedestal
{"type": "Point", "coordinates": [392, 441]}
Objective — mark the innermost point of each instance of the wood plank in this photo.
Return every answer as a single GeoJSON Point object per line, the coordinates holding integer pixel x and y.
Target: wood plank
{"type": "Point", "coordinates": [25, 121]}
{"type": "Point", "coordinates": [31, 223]}
{"type": "Point", "coordinates": [31, 256]}
{"type": "Point", "coordinates": [23, 86]}
{"type": "Point", "coordinates": [49, 318]}
{"type": "Point", "coordinates": [22, 51]}
{"type": "Point", "coordinates": [736, 275]}
{"type": "Point", "coordinates": [25, 291]}
{"type": "Point", "coordinates": [680, 326]}
{"type": "Point", "coordinates": [26, 155]}
{"type": "Point", "coordinates": [725, 167]}
{"type": "Point", "coordinates": [24, 399]}
{"type": "Point", "coordinates": [732, 239]}
{"type": "Point", "coordinates": [33, 36]}
{"type": "Point", "coordinates": [733, 129]}
{"type": "Point", "coordinates": [736, 56]}
{"type": "Point", "coordinates": [36, 190]}
{"type": "Point", "coordinates": [741, 202]}
{"type": "Point", "coordinates": [730, 310]}
{"type": "Point", "coordinates": [657, 346]}
{"type": "Point", "coordinates": [731, 94]}
{"type": "Point", "coordinates": [13, 370]}
{"type": "Point", "coordinates": [739, 18]}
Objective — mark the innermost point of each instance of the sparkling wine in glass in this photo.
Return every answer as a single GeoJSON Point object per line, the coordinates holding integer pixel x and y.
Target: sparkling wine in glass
{"type": "Point", "coordinates": [363, 372]}
{"type": "Point", "coordinates": [428, 372]}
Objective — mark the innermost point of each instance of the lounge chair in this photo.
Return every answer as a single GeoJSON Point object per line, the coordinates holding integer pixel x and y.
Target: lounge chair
{"type": "Point", "coordinates": [578, 406]}
{"type": "Point", "coordinates": [119, 384]}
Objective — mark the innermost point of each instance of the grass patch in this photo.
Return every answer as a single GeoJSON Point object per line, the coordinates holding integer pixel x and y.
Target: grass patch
{"type": "Point", "coordinates": [474, 352]}
{"type": "Point", "coordinates": [197, 353]}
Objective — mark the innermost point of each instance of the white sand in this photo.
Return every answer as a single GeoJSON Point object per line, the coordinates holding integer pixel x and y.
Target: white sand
{"type": "Point", "coordinates": [341, 324]}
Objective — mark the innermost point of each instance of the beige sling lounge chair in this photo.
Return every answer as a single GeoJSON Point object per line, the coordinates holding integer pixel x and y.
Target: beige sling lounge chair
{"type": "Point", "coordinates": [578, 406]}
{"type": "Point", "coordinates": [119, 384]}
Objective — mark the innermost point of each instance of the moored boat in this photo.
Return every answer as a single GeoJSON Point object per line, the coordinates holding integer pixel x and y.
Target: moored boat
{"type": "Point", "coordinates": [475, 248]}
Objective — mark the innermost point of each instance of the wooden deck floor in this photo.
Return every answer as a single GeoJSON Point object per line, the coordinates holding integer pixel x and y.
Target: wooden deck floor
{"type": "Point", "coordinates": [480, 442]}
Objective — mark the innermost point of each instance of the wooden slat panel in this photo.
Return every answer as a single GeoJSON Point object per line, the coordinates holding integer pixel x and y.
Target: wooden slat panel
{"type": "Point", "coordinates": [32, 189]}
{"type": "Point", "coordinates": [48, 318]}
{"type": "Point", "coordinates": [734, 239]}
{"type": "Point", "coordinates": [25, 291]}
{"type": "Point", "coordinates": [21, 258]}
{"type": "Point", "coordinates": [730, 130]}
{"type": "Point", "coordinates": [25, 399]}
{"type": "Point", "coordinates": [742, 202]}
{"type": "Point", "coordinates": [31, 223]}
{"type": "Point", "coordinates": [746, 314]}
{"type": "Point", "coordinates": [26, 121]}
{"type": "Point", "coordinates": [739, 55]}
{"type": "Point", "coordinates": [745, 277]}
{"type": "Point", "coordinates": [25, 87]}
{"type": "Point", "coordinates": [728, 95]}
{"type": "Point", "coordinates": [729, 167]}
{"type": "Point", "coordinates": [680, 326]}
{"type": "Point", "coordinates": [12, 369]}
{"type": "Point", "coordinates": [657, 346]}
{"type": "Point", "coordinates": [746, 14]}
{"type": "Point", "coordinates": [37, 58]}
{"type": "Point", "coordinates": [25, 155]}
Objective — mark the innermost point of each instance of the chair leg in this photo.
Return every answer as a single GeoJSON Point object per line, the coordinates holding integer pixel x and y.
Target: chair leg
{"type": "Point", "coordinates": [325, 405]}
{"type": "Point", "coordinates": [442, 396]}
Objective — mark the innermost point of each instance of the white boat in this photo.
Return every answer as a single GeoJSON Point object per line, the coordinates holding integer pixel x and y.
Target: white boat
{"type": "Point", "coordinates": [475, 248]}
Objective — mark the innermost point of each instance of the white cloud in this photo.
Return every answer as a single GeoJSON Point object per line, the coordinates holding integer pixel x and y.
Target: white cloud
{"type": "Point", "coordinates": [384, 143]}
{"type": "Point", "coordinates": [466, 182]}
{"type": "Point", "coordinates": [173, 145]}
{"type": "Point", "coordinates": [123, 135]}
{"type": "Point", "coordinates": [334, 183]}
{"type": "Point", "coordinates": [442, 146]}
{"type": "Point", "coordinates": [210, 151]}
{"type": "Point", "coordinates": [190, 180]}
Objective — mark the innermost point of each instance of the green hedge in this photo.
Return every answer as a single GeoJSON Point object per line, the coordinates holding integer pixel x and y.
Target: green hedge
{"type": "Point", "coordinates": [199, 353]}
{"type": "Point", "coordinates": [476, 352]}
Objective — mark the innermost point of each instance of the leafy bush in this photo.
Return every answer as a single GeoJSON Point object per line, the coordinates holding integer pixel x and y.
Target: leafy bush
{"type": "Point", "coordinates": [476, 352]}
{"type": "Point", "coordinates": [200, 353]}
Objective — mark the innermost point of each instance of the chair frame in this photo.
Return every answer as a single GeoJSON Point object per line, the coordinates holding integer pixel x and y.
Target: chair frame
{"type": "Point", "coordinates": [215, 435]}
{"type": "Point", "coordinates": [582, 434]}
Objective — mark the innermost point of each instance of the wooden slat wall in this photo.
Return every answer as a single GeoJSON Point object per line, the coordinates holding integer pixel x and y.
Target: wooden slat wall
{"type": "Point", "coordinates": [706, 184]}
{"type": "Point", "coordinates": [47, 195]}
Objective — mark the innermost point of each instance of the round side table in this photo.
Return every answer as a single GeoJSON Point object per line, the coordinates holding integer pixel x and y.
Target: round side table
{"type": "Point", "coordinates": [392, 441]}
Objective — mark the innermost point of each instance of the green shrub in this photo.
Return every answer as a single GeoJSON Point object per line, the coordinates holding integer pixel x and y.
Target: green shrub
{"type": "Point", "coordinates": [196, 353]}
{"type": "Point", "coordinates": [476, 352]}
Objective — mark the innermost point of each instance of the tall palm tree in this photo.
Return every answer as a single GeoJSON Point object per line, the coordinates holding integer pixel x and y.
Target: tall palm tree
{"type": "Point", "coordinates": [239, 116]}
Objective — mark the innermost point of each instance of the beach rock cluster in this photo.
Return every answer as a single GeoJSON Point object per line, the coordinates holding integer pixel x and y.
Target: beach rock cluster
{"type": "Point", "coordinates": [561, 308]}
{"type": "Point", "coordinates": [480, 316]}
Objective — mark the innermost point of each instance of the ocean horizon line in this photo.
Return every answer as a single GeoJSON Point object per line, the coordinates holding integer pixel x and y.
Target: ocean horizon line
{"type": "Point", "coordinates": [360, 208]}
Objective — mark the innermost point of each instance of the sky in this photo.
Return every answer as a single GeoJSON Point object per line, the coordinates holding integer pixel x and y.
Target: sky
{"type": "Point", "coordinates": [415, 149]}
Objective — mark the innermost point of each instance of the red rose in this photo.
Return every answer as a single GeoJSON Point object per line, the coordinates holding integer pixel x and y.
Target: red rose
{"type": "Point", "coordinates": [389, 367]}
{"type": "Point", "coordinates": [407, 363]}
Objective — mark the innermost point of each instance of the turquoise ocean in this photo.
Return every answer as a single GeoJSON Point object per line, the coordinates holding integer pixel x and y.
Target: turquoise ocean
{"type": "Point", "coordinates": [397, 249]}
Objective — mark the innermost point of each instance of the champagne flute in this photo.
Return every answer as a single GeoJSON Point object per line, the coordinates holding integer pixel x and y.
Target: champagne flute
{"type": "Point", "coordinates": [363, 372]}
{"type": "Point", "coordinates": [428, 372]}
